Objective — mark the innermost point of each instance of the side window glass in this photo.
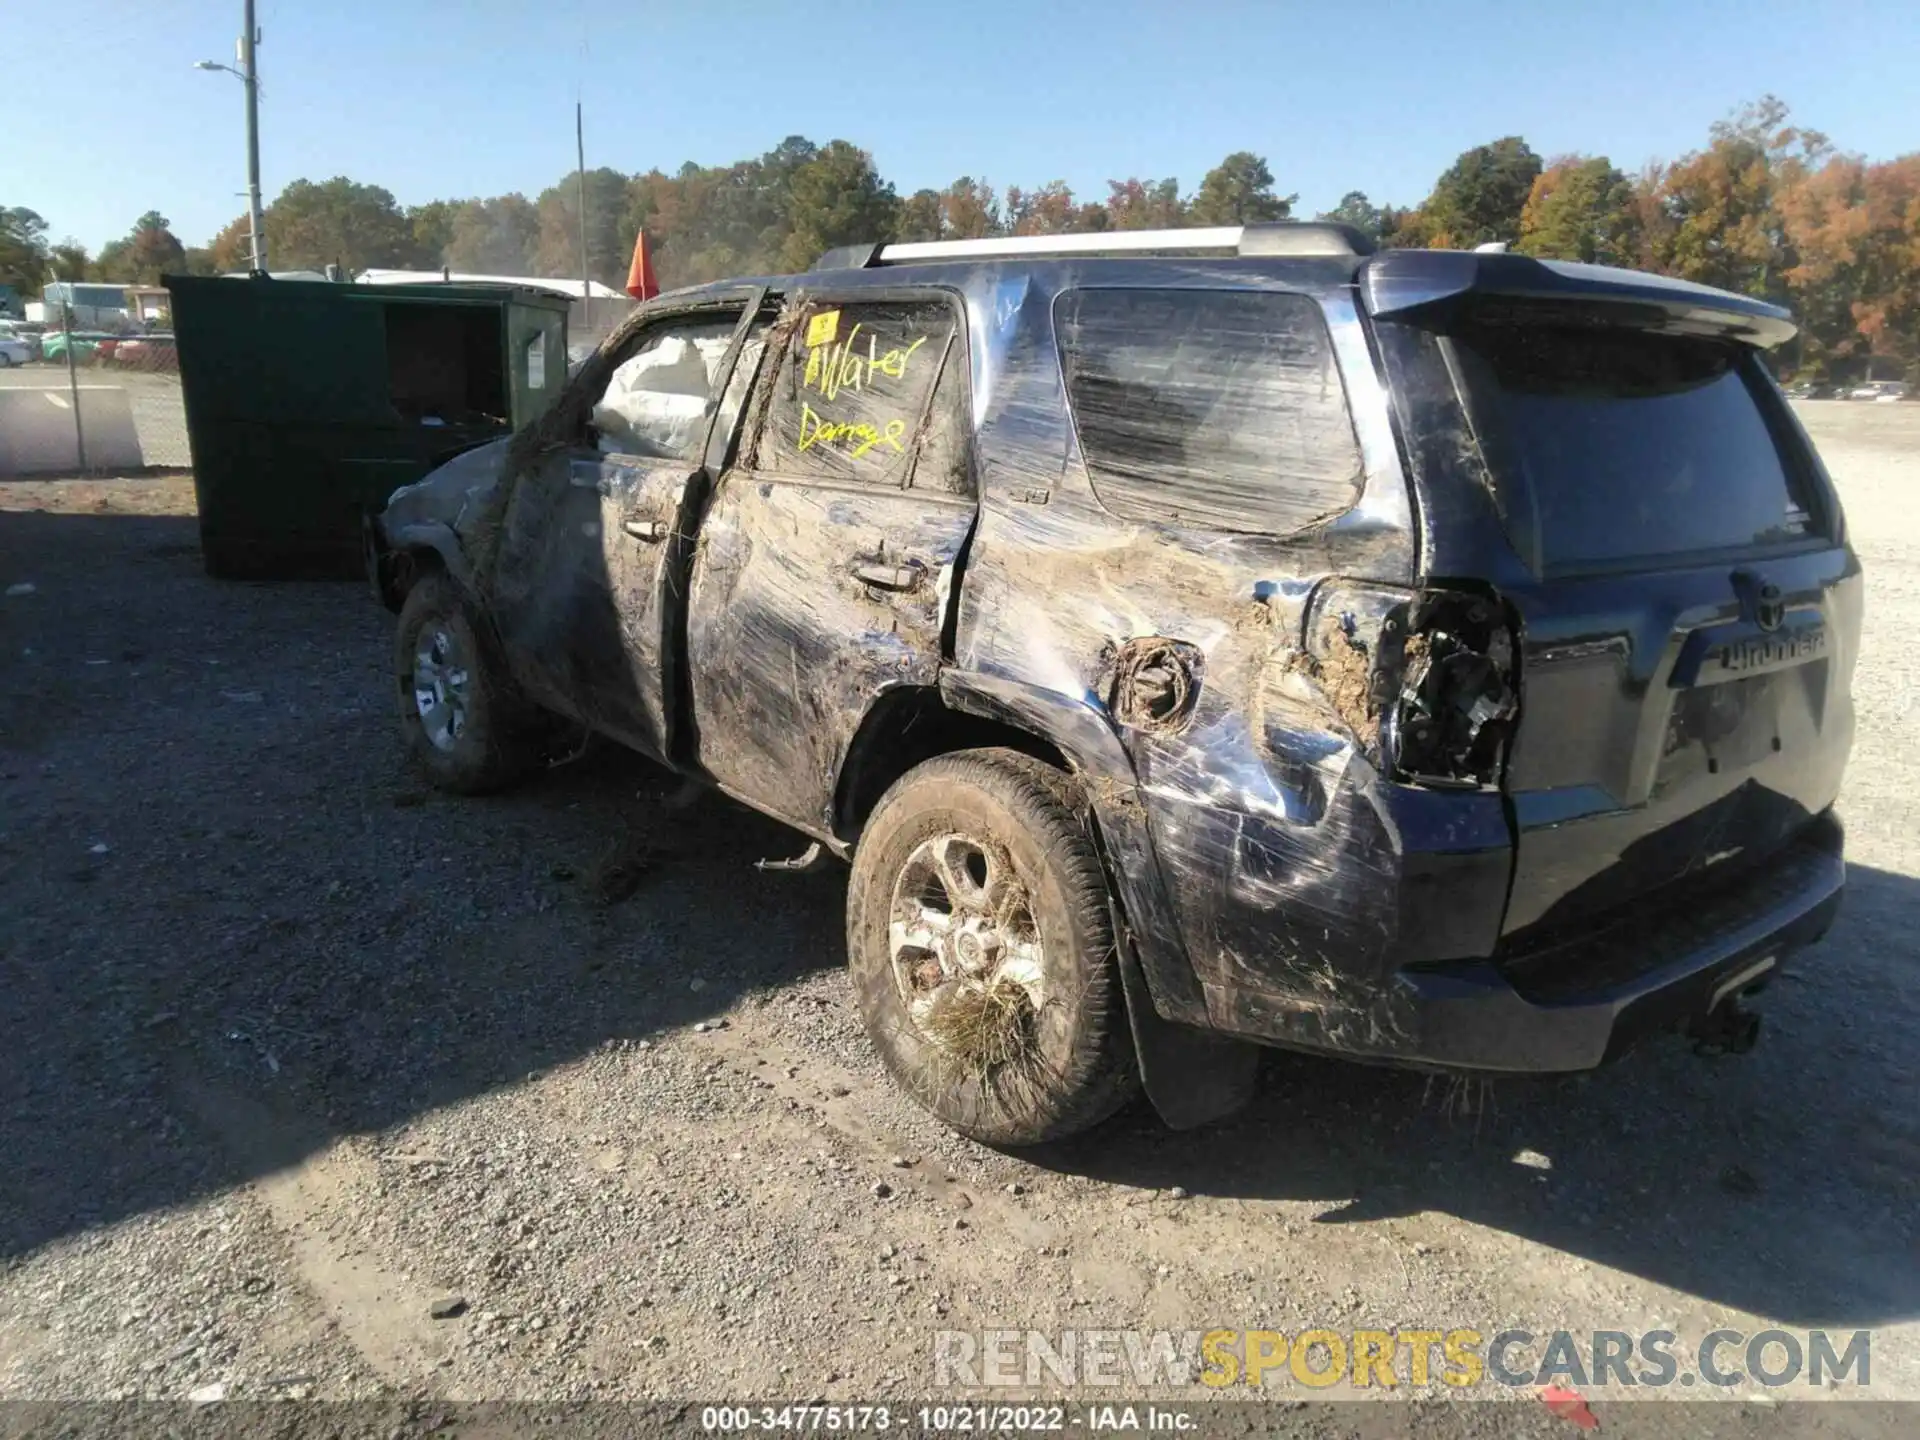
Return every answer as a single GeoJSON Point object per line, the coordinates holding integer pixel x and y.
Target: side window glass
{"type": "Point", "coordinates": [655, 403]}
{"type": "Point", "coordinates": [852, 397]}
{"type": "Point", "coordinates": [1212, 408]}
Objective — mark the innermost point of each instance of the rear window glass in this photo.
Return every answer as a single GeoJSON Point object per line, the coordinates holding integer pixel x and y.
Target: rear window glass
{"type": "Point", "coordinates": [1220, 409]}
{"type": "Point", "coordinates": [1611, 446]}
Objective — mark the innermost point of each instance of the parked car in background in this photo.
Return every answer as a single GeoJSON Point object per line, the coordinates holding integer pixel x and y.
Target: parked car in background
{"type": "Point", "coordinates": [22, 333]}
{"type": "Point", "coordinates": [1879, 390]}
{"type": "Point", "coordinates": [153, 354]}
{"type": "Point", "coordinates": [14, 352]}
{"type": "Point", "coordinates": [1810, 390]}
{"type": "Point", "coordinates": [1138, 627]}
{"type": "Point", "coordinates": [54, 344]}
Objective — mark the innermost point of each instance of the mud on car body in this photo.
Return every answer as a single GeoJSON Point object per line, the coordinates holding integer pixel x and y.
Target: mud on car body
{"type": "Point", "coordinates": [1431, 658]}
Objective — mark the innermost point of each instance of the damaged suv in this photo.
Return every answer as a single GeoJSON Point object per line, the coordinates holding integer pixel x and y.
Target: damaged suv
{"type": "Point", "coordinates": [1431, 658]}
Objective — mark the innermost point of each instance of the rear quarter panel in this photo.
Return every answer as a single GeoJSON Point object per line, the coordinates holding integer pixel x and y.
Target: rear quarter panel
{"type": "Point", "coordinates": [1254, 848]}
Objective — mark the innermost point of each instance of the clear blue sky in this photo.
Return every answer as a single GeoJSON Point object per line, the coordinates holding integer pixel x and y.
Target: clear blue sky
{"type": "Point", "coordinates": [105, 117]}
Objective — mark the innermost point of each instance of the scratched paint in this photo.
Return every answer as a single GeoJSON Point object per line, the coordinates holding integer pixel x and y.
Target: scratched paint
{"type": "Point", "coordinates": [1232, 691]}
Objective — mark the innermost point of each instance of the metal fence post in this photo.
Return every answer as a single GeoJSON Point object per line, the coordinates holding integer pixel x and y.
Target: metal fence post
{"type": "Point", "coordinates": [73, 388]}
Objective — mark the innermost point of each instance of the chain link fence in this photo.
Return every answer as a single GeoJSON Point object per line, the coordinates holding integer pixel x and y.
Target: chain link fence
{"type": "Point", "coordinates": [74, 403]}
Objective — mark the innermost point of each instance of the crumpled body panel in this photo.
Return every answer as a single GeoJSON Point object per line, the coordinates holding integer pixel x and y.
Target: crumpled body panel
{"type": "Point", "coordinates": [1260, 852]}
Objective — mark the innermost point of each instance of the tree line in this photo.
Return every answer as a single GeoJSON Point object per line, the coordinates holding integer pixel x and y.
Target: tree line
{"type": "Point", "coordinates": [1765, 207]}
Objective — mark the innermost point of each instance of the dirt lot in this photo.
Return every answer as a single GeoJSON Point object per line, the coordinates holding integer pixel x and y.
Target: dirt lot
{"type": "Point", "coordinates": [292, 1049]}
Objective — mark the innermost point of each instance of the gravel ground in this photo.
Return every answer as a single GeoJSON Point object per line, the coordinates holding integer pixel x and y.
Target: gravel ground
{"type": "Point", "coordinates": [296, 1054]}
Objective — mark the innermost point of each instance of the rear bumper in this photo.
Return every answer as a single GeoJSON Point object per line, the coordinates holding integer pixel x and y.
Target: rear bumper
{"type": "Point", "coordinates": [1576, 1007]}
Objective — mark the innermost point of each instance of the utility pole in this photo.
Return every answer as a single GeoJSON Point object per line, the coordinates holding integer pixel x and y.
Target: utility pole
{"type": "Point", "coordinates": [586, 275]}
{"type": "Point", "coordinates": [250, 75]}
{"type": "Point", "coordinates": [73, 389]}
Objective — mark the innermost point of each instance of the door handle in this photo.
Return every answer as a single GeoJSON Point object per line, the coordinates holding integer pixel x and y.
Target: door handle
{"type": "Point", "coordinates": [891, 577]}
{"type": "Point", "coordinates": [654, 530]}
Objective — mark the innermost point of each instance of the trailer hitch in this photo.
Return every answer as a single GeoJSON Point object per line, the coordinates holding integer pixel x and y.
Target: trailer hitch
{"type": "Point", "coordinates": [1727, 1029]}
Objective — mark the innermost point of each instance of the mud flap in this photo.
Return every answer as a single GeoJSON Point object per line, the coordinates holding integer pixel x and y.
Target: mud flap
{"type": "Point", "coordinates": [1193, 1077]}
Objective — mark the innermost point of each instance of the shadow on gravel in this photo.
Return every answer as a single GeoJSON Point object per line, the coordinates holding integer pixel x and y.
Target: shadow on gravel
{"type": "Point", "coordinates": [223, 893]}
{"type": "Point", "coordinates": [217, 876]}
{"type": "Point", "coordinates": [1776, 1182]}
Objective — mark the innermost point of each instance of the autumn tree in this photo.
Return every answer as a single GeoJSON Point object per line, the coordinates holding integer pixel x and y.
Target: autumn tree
{"type": "Point", "coordinates": [1238, 191]}
{"type": "Point", "coordinates": [969, 210]}
{"type": "Point", "coordinates": [1854, 232]}
{"type": "Point", "coordinates": [1714, 214]}
{"type": "Point", "coordinates": [1581, 208]}
{"type": "Point", "coordinates": [707, 222]}
{"type": "Point", "coordinates": [1050, 210]}
{"type": "Point", "coordinates": [1764, 208]}
{"type": "Point", "coordinates": [232, 248]}
{"type": "Point", "coordinates": [1888, 304]}
{"type": "Point", "coordinates": [1144, 205]}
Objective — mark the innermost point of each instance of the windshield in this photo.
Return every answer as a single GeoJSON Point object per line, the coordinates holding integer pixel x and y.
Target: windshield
{"type": "Point", "coordinates": [1611, 446]}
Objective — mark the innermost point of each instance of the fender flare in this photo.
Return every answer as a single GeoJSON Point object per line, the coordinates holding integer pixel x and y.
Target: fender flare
{"type": "Point", "coordinates": [437, 537]}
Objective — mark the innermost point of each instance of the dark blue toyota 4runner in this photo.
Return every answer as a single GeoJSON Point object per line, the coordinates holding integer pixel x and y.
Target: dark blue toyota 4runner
{"type": "Point", "coordinates": [1190, 638]}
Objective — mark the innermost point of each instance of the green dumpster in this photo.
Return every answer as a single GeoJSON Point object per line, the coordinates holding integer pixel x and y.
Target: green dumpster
{"type": "Point", "coordinates": [309, 402]}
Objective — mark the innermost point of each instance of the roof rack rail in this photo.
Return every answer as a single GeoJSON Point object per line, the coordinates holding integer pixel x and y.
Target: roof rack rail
{"type": "Point", "coordinates": [1272, 237]}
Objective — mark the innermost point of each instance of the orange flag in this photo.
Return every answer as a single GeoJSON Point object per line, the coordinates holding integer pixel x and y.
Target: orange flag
{"type": "Point", "coordinates": [640, 282]}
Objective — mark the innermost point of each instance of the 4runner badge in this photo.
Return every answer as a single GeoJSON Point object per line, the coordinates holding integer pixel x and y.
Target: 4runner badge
{"type": "Point", "coordinates": [1770, 652]}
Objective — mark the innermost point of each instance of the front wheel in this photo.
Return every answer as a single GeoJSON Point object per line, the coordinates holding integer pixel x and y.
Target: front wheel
{"type": "Point", "coordinates": [982, 950]}
{"type": "Point", "coordinates": [460, 712]}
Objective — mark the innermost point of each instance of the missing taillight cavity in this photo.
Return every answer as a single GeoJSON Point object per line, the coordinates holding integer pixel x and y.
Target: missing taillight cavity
{"type": "Point", "coordinates": [1424, 682]}
{"type": "Point", "coordinates": [1449, 663]}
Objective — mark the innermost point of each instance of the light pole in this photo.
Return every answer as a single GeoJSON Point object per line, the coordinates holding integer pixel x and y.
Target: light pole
{"type": "Point", "coordinates": [249, 76]}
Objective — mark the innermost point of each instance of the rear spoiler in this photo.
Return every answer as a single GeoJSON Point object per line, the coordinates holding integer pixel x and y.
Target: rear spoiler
{"type": "Point", "coordinates": [1412, 284]}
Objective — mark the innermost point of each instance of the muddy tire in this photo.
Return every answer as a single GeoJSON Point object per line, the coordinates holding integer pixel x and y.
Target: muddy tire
{"type": "Point", "coordinates": [463, 719]}
{"type": "Point", "coordinates": [982, 950]}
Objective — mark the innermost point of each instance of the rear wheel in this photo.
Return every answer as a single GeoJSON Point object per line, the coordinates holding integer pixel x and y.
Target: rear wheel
{"type": "Point", "coordinates": [982, 950]}
{"type": "Point", "coordinates": [460, 712]}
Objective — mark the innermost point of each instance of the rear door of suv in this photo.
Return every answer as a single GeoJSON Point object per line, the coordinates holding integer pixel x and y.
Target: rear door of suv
{"type": "Point", "coordinates": [826, 561]}
{"type": "Point", "coordinates": [1623, 473]}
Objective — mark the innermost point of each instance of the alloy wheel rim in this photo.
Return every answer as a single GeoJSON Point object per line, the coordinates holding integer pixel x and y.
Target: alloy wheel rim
{"type": "Point", "coordinates": [961, 927]}
{"type": "Point", "coordinates": [440, 686]}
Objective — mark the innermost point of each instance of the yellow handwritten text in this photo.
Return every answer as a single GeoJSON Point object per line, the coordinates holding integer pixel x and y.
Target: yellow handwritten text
{"type": "Point", "coordinates": [859, 435]}
{"type": "Point", "coordinates": [833, 368]}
